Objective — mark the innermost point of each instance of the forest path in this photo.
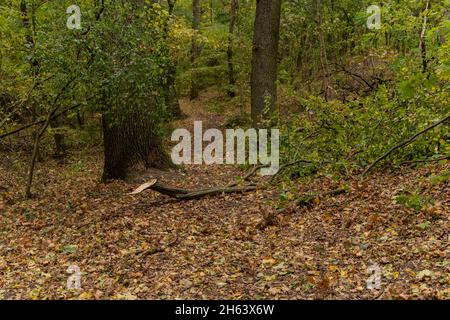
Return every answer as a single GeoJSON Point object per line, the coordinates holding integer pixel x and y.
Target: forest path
{"type": "Point", "coordinates": [195, 176]}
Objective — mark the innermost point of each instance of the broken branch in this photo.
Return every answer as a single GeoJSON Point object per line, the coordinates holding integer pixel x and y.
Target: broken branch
{"type": "Point", "coordinates": [185, 194]}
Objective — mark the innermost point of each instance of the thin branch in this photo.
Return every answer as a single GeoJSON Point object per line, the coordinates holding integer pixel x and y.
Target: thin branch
{"type": "Point", "coordinates": [405, 143]}
{"type": "Point", "coordinates": [425, 160]}
{"type": "Point", "coordinates": [56, 115]}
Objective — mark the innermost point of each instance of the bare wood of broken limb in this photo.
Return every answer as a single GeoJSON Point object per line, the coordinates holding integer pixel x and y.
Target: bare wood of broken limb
{"type": "Point", "coordinates": [406, 143]}
{"type": "Point", "coordinates": [185, 194]}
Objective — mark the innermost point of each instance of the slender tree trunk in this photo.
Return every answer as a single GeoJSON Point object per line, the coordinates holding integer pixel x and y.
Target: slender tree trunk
{"type": "Point", "coordinates": [265, 58]}
{"type": "Point", "coordinates": [171, 6]}
{"type": "Point", "coordinates": [211, 12]}
{"type": "Point", "coordinates": [35, 154]}
{"type": "Point", "coordinates": [40, 133]}
{"type": "Point", "coordinates": [323, 50]}
{"type": "Point", "coordinates": [422, 44]}
{"type": "Point", "coordinates": [195, 50]}
{"type": "Point", "coordinates": [171, 92]}
{"type": "Point", "coordinates": [231, 79]}
{"type": "Point", "coordinates": [34, 64]}
{"type": "Point", "coordinates": [60, 149]}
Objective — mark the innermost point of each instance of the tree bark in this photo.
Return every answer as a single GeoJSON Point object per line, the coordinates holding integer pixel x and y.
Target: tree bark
{"type": "Point", "coordinates": [60, 149]}
{"type": "Point", "coordinates": [30, 44]}
{"type": "Point", "coordinates": [422, 44]}
{"type": "Point", "coordinates": [323, 50]}
{"type": "Point", "coordinates": [231, 79]}
{"type": "Point", "coordinates": [171, 92]}
{"type": "Point", "coordinates": [265, 58]}
{"type": "Point", "coordinates": [195, 49]}
{"type": "Point", "coordinates": [171, 6]}
{"type": "Point", "coordinates": [129, 141]}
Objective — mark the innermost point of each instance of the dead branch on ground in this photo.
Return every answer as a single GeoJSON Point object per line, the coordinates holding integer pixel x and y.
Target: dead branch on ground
{"type": "Point", "coordinates": [186, 194]}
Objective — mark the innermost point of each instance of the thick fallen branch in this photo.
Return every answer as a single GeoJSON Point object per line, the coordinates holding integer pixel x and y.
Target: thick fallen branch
{"type": "Point", "coordinates": [405, 143]}
{"type": "Point", "coordinates": [185, 194]}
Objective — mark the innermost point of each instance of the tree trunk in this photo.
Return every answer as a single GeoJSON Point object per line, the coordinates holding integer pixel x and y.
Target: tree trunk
{"type": "Point", "coordinates": [171, 92]}
{"type": "Point", "coordinates": [60, 149]}
{"type": "Point", "coordinates": [422, 44]}
{"type": "Point", "coordinates": [323, 50]}
{"type": "Point", "coordinates": [131, 141]}
{"type": "Point", "coordinates": [34, 64]}
{"type": "Point", "coordinates": [264, 61]}
{"type": "Point", "coordinates": [195, 50]}
{"type": "Point", "coordinates": [171, 6]}
{"type": "Point", "coordinates": [231, 79]}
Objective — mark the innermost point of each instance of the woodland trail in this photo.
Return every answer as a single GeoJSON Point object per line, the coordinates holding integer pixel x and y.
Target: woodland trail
{"type": "Point", "coordinates": [150, 247]}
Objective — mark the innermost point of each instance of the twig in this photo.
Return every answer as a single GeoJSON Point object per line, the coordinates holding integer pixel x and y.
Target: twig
{"type": "Point", "coordinates": [248, 175]}
{"type": "Point", "coordinates": [151, 251]}
{"type": "Point", "coordinates": [269, 218]}
{"type": "Point", "coordinates": [286, 165]}
{"type": "Point", "coordinates": [308, 199]}
{"type": "Point", "coordinates": [56, 115]}
{"type": "Point", "coordinates": [425, 160]}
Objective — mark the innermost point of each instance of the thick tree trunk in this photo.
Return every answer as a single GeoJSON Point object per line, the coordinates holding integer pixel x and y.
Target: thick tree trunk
{"type": "Point", "coordinates": [131, 141]}
{"type": "Point", "coordinates": [231, 78]}
{"type": "Point", "coordinates": [264, 61]}
{"type": "Point", "coordinates": [195, 49]}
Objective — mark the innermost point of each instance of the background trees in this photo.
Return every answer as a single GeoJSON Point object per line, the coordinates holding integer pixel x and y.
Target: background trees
{"type": "Point", "coordinates": [116, 65]}
{"type": "Point", "coordinates": [345, 92]}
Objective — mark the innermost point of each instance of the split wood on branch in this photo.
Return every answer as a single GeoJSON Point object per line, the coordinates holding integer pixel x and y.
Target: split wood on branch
{"type": "Point", "coordinates": [405, 143]}
{"type": "Point", "coordinates": [185, 194]}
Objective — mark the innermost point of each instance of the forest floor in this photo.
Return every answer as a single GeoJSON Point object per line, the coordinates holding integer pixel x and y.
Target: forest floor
{"type": "Point", "coordinates": [148, 246]}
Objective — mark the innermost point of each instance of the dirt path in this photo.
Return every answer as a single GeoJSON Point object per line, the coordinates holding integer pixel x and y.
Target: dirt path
{"type": "Point", "coordinates": [149, 247]}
